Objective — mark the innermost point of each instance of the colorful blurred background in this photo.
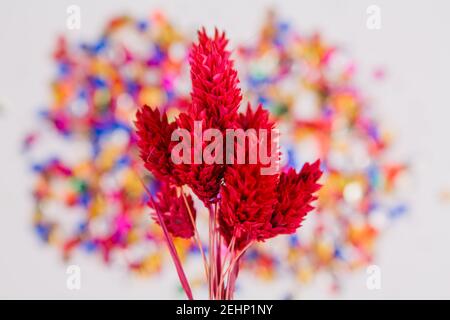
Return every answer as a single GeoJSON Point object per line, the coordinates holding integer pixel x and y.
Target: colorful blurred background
{"type": "Point", "coordinates": [371, 102]}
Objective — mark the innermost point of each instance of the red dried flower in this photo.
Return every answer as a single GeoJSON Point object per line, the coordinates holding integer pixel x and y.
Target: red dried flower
{"type": "Point", "coordinates": [258, 119]}
{"type": "Point", "coordinates": [154, 139]}
{"type": "Point", "coordinates": [248, 198]}
{"type": "Point", "coordinates": [247, 201]}
{"type": "Point", "coordinates": [174, 212]}
{"type": "Point", "coordinates": [295, 194]}
{"type": "Point", "coordinates": [215, 93]}
{"type": "Point", "coordinates": [215, 100]}
{"type": "Point", "coordinates": [204, 179]}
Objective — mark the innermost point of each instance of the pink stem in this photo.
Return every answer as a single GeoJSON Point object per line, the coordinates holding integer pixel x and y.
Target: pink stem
{"type": "Point", "coordinates": [211, 253]}
{"type": "Point", "coordinates": [230, 250]}
{"type": "Point", "coordinates": [218, 248]}
{"type": "Point", "coordinates": [172, 249]}
{"type": "Point", "coordinates": [232, 283]}
{"type": "Point", "coordinates": [196, 235]}
{"type": "Point", "coordinates": [233, 270]}
{"type": "Point", "coordinates": [218, 264]}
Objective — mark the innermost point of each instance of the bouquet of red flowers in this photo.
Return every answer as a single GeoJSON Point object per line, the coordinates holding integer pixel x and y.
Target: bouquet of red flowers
{"type": "Point", "coordinates": [230, 161]}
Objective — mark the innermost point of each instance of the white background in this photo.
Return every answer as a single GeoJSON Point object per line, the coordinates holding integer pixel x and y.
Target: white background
{"type": "Point", "coordinates": [413, 45]}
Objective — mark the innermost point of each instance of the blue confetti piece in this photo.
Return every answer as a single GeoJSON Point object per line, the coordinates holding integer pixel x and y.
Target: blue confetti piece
{"type": "Point", "coordinates": [89, 246]}
{"type": "Point", "coordinates": [338, 253]}
{"type": "Point", "coordinates": [97, 82]}
{"type": "Point", "coordinates": [293, 240]}
{"type": "Point", "coordinates": [123, 161]}
{"type": "Point", "coordinates": [263, 100]}
{"type": "Point", "coordinates": [100, 45]}
{"type": "Point", "coordinates": [251, 255]}
{"type": "Point", "coordinates": [43, 231]}
{"type": "Point", "coordinates": [170, 95]}
{"type": "Point", "coordinates": [194, 250]}
{"type": "Point", "coordinates": [132, 87]}
{"type": "Point", "coordinates": [398, 211]}
{"type": "Point", "coordinates": [374, 177]}
{"type": "Point", "coordinates": [37, 167]}
{"type": "Point", "coordinates": [64, 69]}
{"type": "Point", "coordinates": [142, 25]}
{"type": "Point", "coordinates": [82, 227]}
{"type": "Point", "coordinates": [292, 161]}
{"type": "Point", "coordinates": [85, 199]}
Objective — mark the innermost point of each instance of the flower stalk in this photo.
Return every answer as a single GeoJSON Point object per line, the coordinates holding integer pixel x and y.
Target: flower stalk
{"type": "Point", "coordinates": [172, 249]}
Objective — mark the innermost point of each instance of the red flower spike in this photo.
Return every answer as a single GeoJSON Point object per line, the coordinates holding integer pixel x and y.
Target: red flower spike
{"type": "Point", "coordinates": [295, 194]}
{"type": "Point", "coordinates": [248, 198]}
{"type": "Point", "coordinates": [215, 93]}
{"type": "Point", "coordinates": [247, 201]}
{"type": "Point", "coordinates": [153, 139]}
{"type": "Point", "coordinates": [215, 100]}
{"type": "Point", "coordinates": [174, 211]}
{"type": "Point", "coordinates": [258, 119]}
{"type": "Point", "coordinates": [204, 179]}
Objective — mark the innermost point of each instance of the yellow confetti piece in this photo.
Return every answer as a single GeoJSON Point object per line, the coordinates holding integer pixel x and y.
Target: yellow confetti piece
{"type": "Point", "coordinates": [152, 96]}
